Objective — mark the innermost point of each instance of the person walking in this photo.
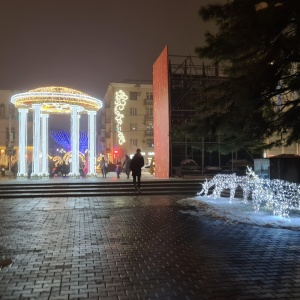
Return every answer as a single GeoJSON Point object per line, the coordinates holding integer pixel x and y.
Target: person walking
{"type": "Point", "coordinates": [126, 164]}
{"type": "Point", "coordinates": [29, 169]}
{"type": "Point", "coordinates": [118, 169]}
{"type": "Point", "coordinates": [136, 165]}
{"type": "Point", "coordinates": [14, 169]}
{"type": "Point", "coordinates": [103, 166]}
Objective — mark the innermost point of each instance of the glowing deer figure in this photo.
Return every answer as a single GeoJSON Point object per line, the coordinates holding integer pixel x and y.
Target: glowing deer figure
{"type": "Point", "coordinates": [247, 183]}
{"type": "Point", "coordinates": [220, 182]}
{"type": "Point", "coordinates": [277, 195]}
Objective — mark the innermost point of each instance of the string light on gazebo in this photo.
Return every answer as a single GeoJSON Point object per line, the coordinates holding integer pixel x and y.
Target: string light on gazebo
{"type": "Point", "coordinates": [54, 100]}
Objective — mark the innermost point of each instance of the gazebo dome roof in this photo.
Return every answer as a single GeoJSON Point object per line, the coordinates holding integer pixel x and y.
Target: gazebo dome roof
{"type": "Point", "coordinates": [57, 100]}
{"type": "Point", "coordinates": [57, 89]}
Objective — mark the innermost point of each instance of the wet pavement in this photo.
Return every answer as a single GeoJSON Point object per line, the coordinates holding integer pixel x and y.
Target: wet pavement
{"type": "Point", "coordinates": [139, 247]}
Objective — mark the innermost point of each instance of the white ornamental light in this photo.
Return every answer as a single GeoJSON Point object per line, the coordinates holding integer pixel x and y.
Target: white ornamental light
{"type": "Point", "coordinates": [57, 100]}
{"type": "Point", "coordinates": [277, 195]}
{"type": "Point", "coordinates": [120, 103]}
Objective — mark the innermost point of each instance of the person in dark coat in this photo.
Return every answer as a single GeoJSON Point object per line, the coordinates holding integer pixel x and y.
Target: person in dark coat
{"type": "Point", "coordinates": [29, 170]}
{"type": "Point", "coordinates": [14, 169]}
{"type": "Point", "coordinates": [136, 164]}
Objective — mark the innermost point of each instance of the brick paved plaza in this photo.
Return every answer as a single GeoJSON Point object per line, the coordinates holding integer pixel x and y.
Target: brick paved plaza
{"type": "Point", "coordinates": [139, 247]}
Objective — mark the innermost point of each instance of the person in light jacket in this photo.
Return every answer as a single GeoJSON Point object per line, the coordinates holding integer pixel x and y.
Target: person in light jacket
{"type": "Point", "coordinates": [126, 164]}
{"type": "Point", "coordinates": [103, 166]}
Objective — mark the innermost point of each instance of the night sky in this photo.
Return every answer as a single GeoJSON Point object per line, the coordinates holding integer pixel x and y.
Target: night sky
{"type": "Point", "coordinates": [86, 44]}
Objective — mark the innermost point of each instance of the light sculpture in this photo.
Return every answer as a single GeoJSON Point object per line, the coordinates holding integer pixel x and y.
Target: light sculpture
{"type": "Point", "coordinates": [36, 141]}
{"type": "Point", "coordinates": [75, 141]}
{"type": "Point", "coordinates": [278, 195]}
{"type": "Point", "coordinates": [120, 102]}
{"type": "Point", "coordinates": [45, 165]}
{"type": "Point", "coordinates": [53, 100]}
{"type": "Point", "coordinates": [57, 160]}
{"type": "Point", "coordinates": [22, 172]}
{"type": "Point", "coordinates": [67, 158]}
{"type": "Point", "coordinates": [92, 146]}
{"type": "Point", "coordinates": [56, 100]}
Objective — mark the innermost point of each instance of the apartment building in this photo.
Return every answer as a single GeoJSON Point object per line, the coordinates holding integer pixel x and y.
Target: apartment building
{"type": "Point", "coordinates": [127, 121]}
{"type": "Point", "coordinates": [293, 149]}
{"type": "Point", "coordinates": [8, 127]}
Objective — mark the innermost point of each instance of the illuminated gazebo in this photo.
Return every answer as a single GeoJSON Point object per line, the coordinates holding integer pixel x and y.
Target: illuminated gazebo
{"type": "Point", "coordinates": [54, 100]}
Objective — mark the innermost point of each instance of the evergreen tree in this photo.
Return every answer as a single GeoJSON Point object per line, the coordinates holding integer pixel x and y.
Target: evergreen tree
{"type": "Point", "coordinates": [260, 44]}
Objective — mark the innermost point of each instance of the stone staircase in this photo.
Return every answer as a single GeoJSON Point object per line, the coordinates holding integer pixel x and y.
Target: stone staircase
{"type": "Point", "coordinates": [97, 188]}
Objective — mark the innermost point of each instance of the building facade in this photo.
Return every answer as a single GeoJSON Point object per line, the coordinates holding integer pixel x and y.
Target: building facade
{"type": "Point", "coordinates": [126, 122]}
{"type": "Point", "coordinates": [9, 129]}
{"type": "Point", "coordinates": [293, 149]}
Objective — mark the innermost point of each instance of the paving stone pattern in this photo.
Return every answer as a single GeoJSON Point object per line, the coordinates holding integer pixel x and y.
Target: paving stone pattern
{"type": "Point", "coordinates": [140, 247]}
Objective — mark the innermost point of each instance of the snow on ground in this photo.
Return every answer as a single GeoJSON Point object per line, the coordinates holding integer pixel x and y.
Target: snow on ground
{"type": "Point", "coordinates": [240, 212]}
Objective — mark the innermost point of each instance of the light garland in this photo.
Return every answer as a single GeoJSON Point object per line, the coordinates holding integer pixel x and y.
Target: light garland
{"type": "Point", "coordinates": [53, 100]}
{"type": "Point", "coordinates": [120, 102]}
{"type": "Point", "coordinates": [67, 158]}
{"type": "Point", "coordinates": [63, 138]}
{"type": "Point", "coordinates": [278, 195]}
{"type": "Point", "coordinates": [57, 160]}
{"type": "Point", "coordinates": [57, 100]}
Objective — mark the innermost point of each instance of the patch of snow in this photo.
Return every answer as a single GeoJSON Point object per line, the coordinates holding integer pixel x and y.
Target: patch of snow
{"type": "Point", "coordinates": [237, 211]}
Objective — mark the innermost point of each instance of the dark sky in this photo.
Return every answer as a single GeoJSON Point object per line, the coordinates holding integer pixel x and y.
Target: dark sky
{"type": "Point", "coordinates": [86, 44]}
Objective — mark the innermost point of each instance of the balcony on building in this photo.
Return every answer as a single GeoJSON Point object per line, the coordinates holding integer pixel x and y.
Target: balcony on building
{"type": "Point", "coordinates": [148, 117]}
{"type": "Point", "coordinates": [149, 132]}
{"type": "Point", "coordinates": [148, 101]}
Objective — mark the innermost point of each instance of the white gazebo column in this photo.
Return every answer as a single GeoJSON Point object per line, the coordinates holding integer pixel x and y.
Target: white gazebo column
{"type": "Point", "coordinates": [92, 144]}
{"type": "Point", "coordinates": [44, 138]}
{"type": "Point", "coordinates": [36, 173]}
{"type": "Point", "coordinates": [75, 142]}
{"type": "Point", "coordinates": [22, 165]}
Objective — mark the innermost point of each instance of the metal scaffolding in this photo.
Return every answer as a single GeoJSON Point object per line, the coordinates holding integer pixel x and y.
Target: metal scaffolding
{"type": "Point", "coordinates": [187, 76]}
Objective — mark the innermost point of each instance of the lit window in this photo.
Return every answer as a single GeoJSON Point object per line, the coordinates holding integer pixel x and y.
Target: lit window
{"type": "Point", "coordinates": [133, 126]}
{"type": "Point", "coordinates": [149, 126]}
{"type": "Point", "coordinates": [150, 143]}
